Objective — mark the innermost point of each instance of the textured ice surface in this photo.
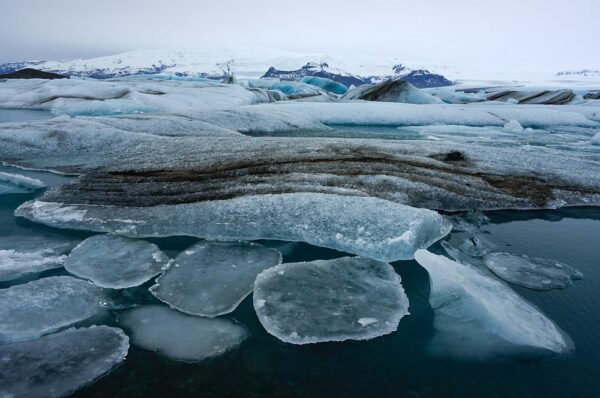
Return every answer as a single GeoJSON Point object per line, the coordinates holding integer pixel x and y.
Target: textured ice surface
{"type": "Point", "coordinates": [21, 255]}
{"type": "Point", "coordinates": [326, 84]}
{"type": "Point", "coordinates": [450, 96]}
{"type": "Point", "coordinates": [470, 308]}
{"type": "Point", "coordinates": [364, 226]}
{"type": "Point", "coordinates": [347, 298]}
{"type": "Point", "coordinates": [513, 127]}
{"type": "Point", "coordinates": [595, 139]}
{"type": "Point", "coordinates": [59, 364]}
{"type": "Point", "coordinates": [15, 183]}
{"type": "Point", "coordinates": [115, 262]}
{"type": "Point", "coordinates": [533, 273]}
{"type": "Point", "coordinates": [212, 278]}
{"type": "Point", "coordinates": [181, 337]}
{"type": "Point", "coordinates": [45, 305]}
{"type": "Point", "coordinates": [391, 91]}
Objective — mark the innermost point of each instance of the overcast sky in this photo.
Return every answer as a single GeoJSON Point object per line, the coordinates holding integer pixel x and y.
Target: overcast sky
{"type": "Point", "coordinates": [479, 34]}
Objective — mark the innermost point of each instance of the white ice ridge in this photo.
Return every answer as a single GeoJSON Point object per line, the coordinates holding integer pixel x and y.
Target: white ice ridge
{"type": "Point", "coordinates": [22, 255]}
{"type": "Point", "coordinates": [181, 337]}
{"type": "Point", "coordinates": [59, 364]}
{"type": "Point", "coordinates": [43, 306]}
{"type": "Point", "coordinates": [16, 183]}
{"type": "Point", "coordinates": [213, 278]}
{"type": "Point", "coordinates": [365, 226]}
{"type": "Point", "coordinates": [474, 308]}
{"type": "Point", "coordinates": [348, 298]}
{"type": "Point", "coordinates": [115, 262]}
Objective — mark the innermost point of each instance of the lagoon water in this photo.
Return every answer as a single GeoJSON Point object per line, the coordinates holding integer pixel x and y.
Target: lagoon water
{"type": "Point", "coordinates": [399, 364]}
{"type": "Point", "coordinates": [21, 115]}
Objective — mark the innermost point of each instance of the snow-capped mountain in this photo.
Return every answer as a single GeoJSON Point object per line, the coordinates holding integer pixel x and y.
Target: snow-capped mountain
{"type": "Point", "coordinates": [592, 74]}
{"type": "Point", "coordinates": [218, 62]}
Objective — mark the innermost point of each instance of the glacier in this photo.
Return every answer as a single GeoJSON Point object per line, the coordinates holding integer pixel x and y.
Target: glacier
{"type": "Point", "coordinates": [213, 278]}
{"type": "Point", "coordinates": [181, 337]}
{"type": "Point", "coordinates": [330, 300]}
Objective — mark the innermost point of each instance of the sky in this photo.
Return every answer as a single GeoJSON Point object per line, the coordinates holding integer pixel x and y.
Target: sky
{"type": "Point", "coordinates": [549, 35]}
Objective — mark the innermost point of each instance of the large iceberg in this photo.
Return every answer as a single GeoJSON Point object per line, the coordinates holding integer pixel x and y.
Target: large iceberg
{"type": "Point", "coordinates": [181, 337]}
{"type": "Point", "coordinates": [347, 298]}
{"type": "Point", "coordinates": [326, 84]}
{"type": "Point", "coordinates": [212, 278]}
{"type": "Point", "coordinates": [59, 364]}
{"type": "Point", "coordinates": [365, 226]}
{"type": "Point", "coordinates": [43, 306]}
{"type": "Point", "coordinates": [472, 310]}
{"type": "Point", "coordinates": [391, 91]}
{"type": "Point", "coordinates": [115, 262]}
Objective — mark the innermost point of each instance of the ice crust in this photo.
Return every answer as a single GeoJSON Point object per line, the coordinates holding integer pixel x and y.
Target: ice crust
{"type": "Point", "coordinates": [181, 337]}
{"type": "Point", "coordinates": [43, 306]}
{"type": "Point", "coordinates": [473, 308]}
{"type": "Point", "coordinates": [59, 364]}
{"type": "Point", "coordinates": [16, 183]}
{"type": "Point", "coordinates": [330, 300]}
{"type": "Point", "coordinates": [344, 223]}
{"type": "Point", "coordinates": [115, 262]}
{"type": "Point", "coordinates": [213, 278]}
{"type": "Point", "coordinates": [533, 273]}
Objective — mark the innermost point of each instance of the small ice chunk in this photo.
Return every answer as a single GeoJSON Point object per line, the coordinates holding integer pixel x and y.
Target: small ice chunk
{"type": "Point", "coordinates": [349, 298]}
{"type": "Point", "coordinates": [530, 272]}
{"type": "Point", "coordinates": [595, 139]}
{"type": "Point", "coordinates": [181, 337]}
{"type": "Point", "coordinates": [213, 278]}
{"type": "Point", "coordinates": [16, 183]}
{"type": "Point", "coordinates": [58, 364]}
{"type": "Point", "coordinates": [36, 308]}
{"type": "Point", "coordinates": [474, 309]}
{"type": "Point", "coordinates": [115, 262]}
{"type": "Point", "coordinates": [513, 127]}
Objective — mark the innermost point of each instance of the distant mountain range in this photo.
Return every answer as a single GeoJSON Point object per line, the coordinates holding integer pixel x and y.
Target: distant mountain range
{"type": "Point", "coordinates": [579, 74]}
{"type": "Point", "coordinates": [217, 63]}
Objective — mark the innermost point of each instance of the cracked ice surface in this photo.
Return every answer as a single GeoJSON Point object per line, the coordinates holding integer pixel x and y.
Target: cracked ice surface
{"type": "Point", "coordinates": [364, 226]}
{"type": "Point", "coordinates": [347, 298]}
{"type": "Point", "coordinates": [59, 364]}
{"type": "Point", "coordinates": [212, 278]}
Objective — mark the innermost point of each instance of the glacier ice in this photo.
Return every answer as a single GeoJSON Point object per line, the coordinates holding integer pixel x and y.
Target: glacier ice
{"type": "Point", "coordinates": [346, 298]}
{"type": "Point", "coordinates": [43, 306]}
{"type": "Point", "coordinates": [213, 278]}
{"type": "Point", "coordinates": [116, 262]}
{"type": "Point", "coordinates": [59, 364]}
{"type": "Point", "coordinates": [513, 126]}
{"type": "Point", "coordinates": [471, 309]}
{"type": "Point", "coordinates": [531, 272]}
{"type": "Point", "coordinates": [595, 139]}
{"type": "Point", "coordinates": [451, 96]}
{"type": "Point", "coordinates": [391, 91]}
{"type": "Point", "coordinates": [365, 226]}
{"type": "Point", "coordinates": [181, 337]}
{"type": "Point", "coordinates": [16, 183]}
{"type": "Point", "coordinates": [326, 84]}
{"type": "Point", "coordinates": [22, 255]}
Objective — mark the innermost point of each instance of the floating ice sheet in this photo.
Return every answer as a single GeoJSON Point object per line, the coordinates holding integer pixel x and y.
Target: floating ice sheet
{"type": "Point", "coordinates": [364, 226]}
{"type": "Point", "coordinates": [347, 298]}
{"type": "Point", "coordinates": [181, 337]}
{"type": "Point", "coordinates": [46, 305]}
{"type": "Point", "coordinates": [212, 278]}
{"type": "Point", "coordinates": [472, 309]}
{"type": "Point", "coordinates": [16, 183]}
{"type": "Point", "coordinates": [58, 364]}
{"type": "Point", "coordinates": [115, 262]}
{"type": "Point", "coordinates": [531, 272]}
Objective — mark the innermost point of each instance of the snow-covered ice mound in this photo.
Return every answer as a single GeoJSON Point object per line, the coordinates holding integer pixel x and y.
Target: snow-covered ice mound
{"type": "Point", "coordinates": [347, 298]}
{"type": "Point", "coordinates": [22, 255]}
{"type": "Point", "coordinates": [471, 310]}
{"type": "Point", "coordinates": [391, 91]}
{"type": "Point", "coordinates": [16, 183]}
{"type": "Point", "coordinates": [45, 305]}
{"type": "Point", "coordinates": [59, 364]}
{"type": "Point", "coordinates": [213, 278]}
{"type": "Point", "coordinates": [115, 262]}
{"type": "Point", "coordinates": [365, 226]}
{"type": "Point", "coordinates": [181, 337]}
{"type": "Point", "coordinates": [531, 272]}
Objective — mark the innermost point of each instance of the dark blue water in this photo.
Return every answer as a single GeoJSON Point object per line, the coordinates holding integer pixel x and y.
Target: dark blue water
{"type": "Point", "coordinates": [20, 115]}
{"type": "Point", "coordinates": [396, 365]}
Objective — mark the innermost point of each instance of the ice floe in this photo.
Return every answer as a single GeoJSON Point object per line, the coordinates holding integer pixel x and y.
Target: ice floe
{"type": "Point", "coordinates": [46, 305]}
{"type": "Point", "coordinates": [471, 308]}
{"type": "Point", "coordinates": [212, 278]}
{"type": "Point", "coordinates": [59, 364]}
{"type": "Point", "coordinates": [531, 272]}
{"type": "Point", "coordinates": [116, 262]}
{"type": "Point", "coordinates": [181, 337]}
{"type": "Point", "coordinates": [347, 298]}
{"type": "Point", "coordinates": [365, 226]}
{"type": "Point", "coordinates": [16, 183]}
